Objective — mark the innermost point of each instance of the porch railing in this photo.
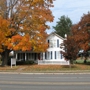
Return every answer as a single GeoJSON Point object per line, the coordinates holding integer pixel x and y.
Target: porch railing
{"type": "Point", "coordinates": [56, 62]}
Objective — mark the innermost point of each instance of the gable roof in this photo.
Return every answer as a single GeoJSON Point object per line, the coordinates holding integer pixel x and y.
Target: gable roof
{"type": "Point", "coordinates": [53, 33]}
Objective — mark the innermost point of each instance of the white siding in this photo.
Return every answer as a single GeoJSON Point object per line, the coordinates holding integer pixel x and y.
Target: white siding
{"type": "Point", "coordinates": [54, 48]}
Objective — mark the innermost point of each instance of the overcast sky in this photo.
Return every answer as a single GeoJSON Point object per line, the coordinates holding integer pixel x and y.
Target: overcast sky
{"type": "Point", "coordinates": [74, 9]}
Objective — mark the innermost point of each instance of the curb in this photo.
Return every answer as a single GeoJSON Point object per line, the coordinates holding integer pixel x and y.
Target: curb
{"type": "Point", "coordinates": [42, 73]}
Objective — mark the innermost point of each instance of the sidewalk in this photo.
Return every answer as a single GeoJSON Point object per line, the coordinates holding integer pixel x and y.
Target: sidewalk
{"type": "Point", "coordinates": [49, 72]}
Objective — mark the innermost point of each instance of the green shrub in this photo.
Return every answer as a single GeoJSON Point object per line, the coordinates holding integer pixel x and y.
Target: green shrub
{"type": "Point", "coordinates": [25, 62]}
{"type": "Point", "coordinates": [29, 62]}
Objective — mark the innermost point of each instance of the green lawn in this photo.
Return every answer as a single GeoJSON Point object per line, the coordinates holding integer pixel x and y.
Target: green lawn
{"type": "Point", "coordinates": [81, 61]}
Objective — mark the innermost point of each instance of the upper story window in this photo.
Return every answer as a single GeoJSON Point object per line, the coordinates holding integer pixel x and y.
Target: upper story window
{"type": "Point", "coordinates": [52, 43]}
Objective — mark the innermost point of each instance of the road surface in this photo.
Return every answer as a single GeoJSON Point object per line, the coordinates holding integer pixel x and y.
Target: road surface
{"type": "Point", "coordinates": [44, 81]}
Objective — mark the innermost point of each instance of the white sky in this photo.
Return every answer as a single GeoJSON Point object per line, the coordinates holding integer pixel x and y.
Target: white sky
{"type": "Point", "coordinates": [74, 9]}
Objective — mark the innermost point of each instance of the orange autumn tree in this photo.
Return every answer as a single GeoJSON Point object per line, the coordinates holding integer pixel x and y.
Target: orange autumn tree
{"type": "Point", "coordinates": [4, 32]}
{"type": "Point", "coordinates": [81, 34]}
{"type": "Point", "coordinates": [26, 25]}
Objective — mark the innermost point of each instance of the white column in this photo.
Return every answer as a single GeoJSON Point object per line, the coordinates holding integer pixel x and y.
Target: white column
{"type": "Point", "coordinates": [46, 56]}
{"type": "Point", "coordinates": [53, 55]}
{"type": "Point", "coordinates": [16, 56]}
{"type": "Point", "coordinates": [43, 56]}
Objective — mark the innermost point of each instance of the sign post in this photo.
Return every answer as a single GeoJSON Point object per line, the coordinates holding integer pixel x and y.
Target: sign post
{"type": "Point", "coordinates": [13, 61]}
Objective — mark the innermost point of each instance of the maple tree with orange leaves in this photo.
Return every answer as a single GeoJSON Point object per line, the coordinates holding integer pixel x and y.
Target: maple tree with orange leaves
{"type": "Point", "coordinates": [23, 25]}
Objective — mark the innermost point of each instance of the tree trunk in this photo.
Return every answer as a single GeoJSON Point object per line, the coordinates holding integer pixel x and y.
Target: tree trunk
{"type": "Point", "coordinates": [5, 57]}
{"type": "Point", "coordinates": [70, 63]}
{"type": "Point", "coordinates": [85, 60]}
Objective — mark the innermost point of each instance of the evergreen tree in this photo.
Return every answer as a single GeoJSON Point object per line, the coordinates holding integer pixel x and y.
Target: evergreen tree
{"type": "Point", "coordinates": [63, 26]}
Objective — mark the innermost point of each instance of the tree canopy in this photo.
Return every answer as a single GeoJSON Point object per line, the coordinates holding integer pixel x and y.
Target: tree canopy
{"type": "Point", "coordinates": [79, 39]}
{"type": "Point", "coordinates": [81, 32]}
{"type": "Point", "coordinates": [63, 26]}
{"type": "Point", "coordinates": [70, 49]}
{"type": "Point", "coordinates": [25, 25]}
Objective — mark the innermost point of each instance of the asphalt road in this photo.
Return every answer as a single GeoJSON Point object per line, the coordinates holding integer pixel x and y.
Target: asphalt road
{"type": "Point", "coordinates": [44, 81]}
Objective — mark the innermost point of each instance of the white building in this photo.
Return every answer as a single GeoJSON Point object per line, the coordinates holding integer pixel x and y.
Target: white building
{"type": "Point", "coordinates": [52, 56]}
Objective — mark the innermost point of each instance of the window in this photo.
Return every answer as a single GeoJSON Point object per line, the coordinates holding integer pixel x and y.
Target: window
{"type": "Point", "coordinates": [51, 43]}
{"type": "Point", "coordinates": [54, 43]}
{"type": "Point", "coordinates": [49, 55]}
{"type": "Point", "coordinates": [21, 56]}
{"type": "Point", "coordinates": [58, 54]}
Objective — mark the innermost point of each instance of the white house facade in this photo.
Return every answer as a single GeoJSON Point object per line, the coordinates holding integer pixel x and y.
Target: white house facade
{"type": "Point", "coordinates": [51, 56]}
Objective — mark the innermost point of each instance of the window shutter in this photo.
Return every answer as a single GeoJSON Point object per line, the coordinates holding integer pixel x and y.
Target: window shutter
{"type": "Point", "coordinates": [57, 42]}
{"type": "Point", "coordinates": [55, 54]}
{"type": "Point", "coordinates": [51, 54]}
{"type": "Point", "coordinates": [61, 56]}
{"type": "Point", "coordinates": [48, 43]}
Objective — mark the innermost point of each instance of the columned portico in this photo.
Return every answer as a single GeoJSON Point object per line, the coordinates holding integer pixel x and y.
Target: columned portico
{"type": "Point", "coordinates": [26, 56]}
